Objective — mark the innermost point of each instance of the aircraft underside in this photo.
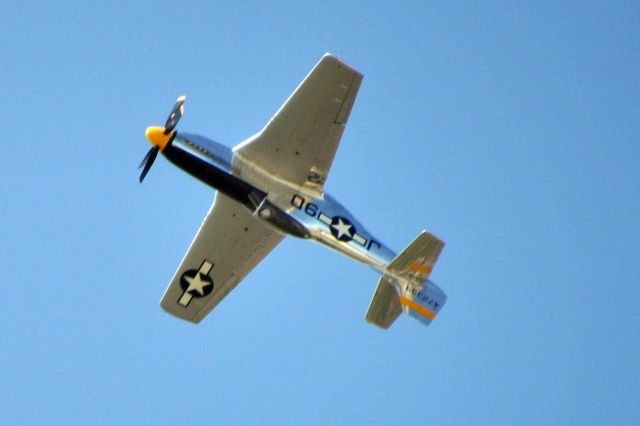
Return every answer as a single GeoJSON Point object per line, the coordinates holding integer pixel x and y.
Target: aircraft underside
{"type": "Point", "coordinates": [271, 186]}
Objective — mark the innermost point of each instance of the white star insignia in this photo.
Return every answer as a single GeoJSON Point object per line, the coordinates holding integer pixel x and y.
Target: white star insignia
{"type": "Point", "coordinates": [342, 228]}
{"type": "Point", "coordinates": [196, 283]}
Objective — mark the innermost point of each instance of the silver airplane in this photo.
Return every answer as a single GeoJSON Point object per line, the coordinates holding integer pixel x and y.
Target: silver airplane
{"type": "Point", "coordinates": [272, 185]}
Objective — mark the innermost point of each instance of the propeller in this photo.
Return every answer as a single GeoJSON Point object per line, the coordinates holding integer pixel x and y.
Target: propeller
{"type": "Point", "coordinates": [161, 136]}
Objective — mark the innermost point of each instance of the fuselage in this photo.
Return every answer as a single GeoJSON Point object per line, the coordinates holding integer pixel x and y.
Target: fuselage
{"type": "Point", "coordinates": [288, 209]}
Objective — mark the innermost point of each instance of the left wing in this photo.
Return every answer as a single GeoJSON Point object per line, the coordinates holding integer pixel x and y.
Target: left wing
{"type": "Point", "coordinates": [299, 142]}
{"type": "Point", "coordinates": [228, 245]}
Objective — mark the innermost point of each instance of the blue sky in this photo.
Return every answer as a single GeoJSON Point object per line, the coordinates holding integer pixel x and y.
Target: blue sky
{"type": "Point", "coordinates": [510, 130]}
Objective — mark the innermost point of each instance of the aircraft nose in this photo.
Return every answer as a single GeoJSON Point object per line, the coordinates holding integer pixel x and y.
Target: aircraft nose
{"type": "Point", "coordinates": [156, 136]}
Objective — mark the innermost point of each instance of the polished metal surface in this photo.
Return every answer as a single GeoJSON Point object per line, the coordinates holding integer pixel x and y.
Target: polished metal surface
{"type": "Point", "coordinates": [272, 185]}
{"type": "Point", "coordinates": [325, 219]}
{"type": "Point", "coordinates": [212, 152]}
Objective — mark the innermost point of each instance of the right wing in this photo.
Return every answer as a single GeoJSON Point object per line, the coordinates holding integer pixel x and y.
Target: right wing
{"type": "Point", "coordinates": [228, 245]}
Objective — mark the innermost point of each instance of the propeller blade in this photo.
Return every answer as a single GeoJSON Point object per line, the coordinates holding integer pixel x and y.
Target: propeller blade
{"type": "Point", "coordinates": [146, 157]}
{"type": "Point", "coordinates": [175, 116]}
{"type": "Point", "coordinates": [147, 162]}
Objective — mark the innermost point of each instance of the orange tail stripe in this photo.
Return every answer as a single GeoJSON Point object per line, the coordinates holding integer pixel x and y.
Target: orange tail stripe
{"type": "Point", "coordinates": [423, 269]}
{"type": "Point", "coordinates": [418, 308]}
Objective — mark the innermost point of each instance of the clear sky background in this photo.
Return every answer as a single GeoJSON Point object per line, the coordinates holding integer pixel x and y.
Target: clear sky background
{"type": "Point", "coordinates": [510, 130]}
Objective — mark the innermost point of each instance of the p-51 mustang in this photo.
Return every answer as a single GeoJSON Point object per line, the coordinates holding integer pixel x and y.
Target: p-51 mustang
{"type": "Point", "coordinates": [271, 186]}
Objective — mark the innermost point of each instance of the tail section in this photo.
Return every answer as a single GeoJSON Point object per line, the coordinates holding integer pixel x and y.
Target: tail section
{"type": "Point", "coordinates": [405, 286]}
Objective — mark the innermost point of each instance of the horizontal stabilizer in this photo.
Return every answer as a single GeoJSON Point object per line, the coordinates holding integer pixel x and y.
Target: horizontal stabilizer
{"type": "Point", "coordinates": [417, 260]}
{"type": "Point", "coordinates": [385, 304]}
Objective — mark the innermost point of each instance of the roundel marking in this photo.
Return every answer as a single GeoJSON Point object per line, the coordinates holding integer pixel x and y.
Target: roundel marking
{"type": "Point", "coordinates": [342, 229]}
{"type": "Point", "coordinates": [196, 283]}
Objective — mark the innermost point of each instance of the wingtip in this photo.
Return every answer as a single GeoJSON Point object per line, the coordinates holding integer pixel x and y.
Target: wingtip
{"type": "Point", "coordinates": [171, 310]}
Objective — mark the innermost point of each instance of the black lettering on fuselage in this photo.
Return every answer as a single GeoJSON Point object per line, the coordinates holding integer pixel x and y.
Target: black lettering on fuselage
{"type": "Point", "coordinates": [416, 292]}
{"type": "Point", "coordinates": [297, 201]}
{"type": "Point", "coordinates": [311, 209]}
